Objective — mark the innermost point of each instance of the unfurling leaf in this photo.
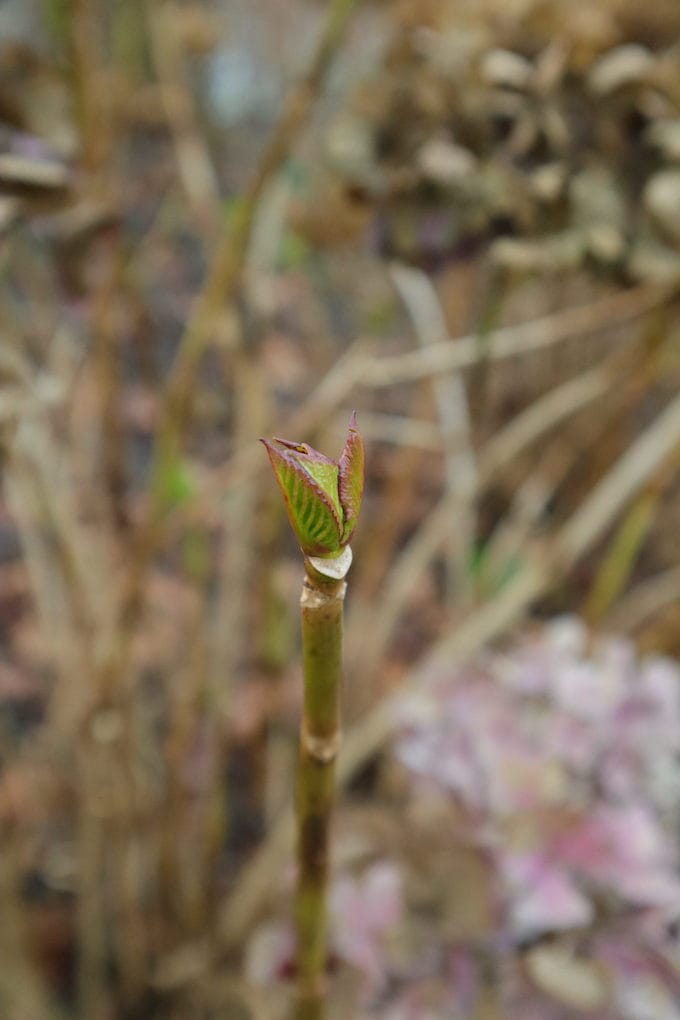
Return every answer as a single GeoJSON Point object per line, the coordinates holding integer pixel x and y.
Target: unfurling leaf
{"type": "Point", "coordinates": [322, 496]}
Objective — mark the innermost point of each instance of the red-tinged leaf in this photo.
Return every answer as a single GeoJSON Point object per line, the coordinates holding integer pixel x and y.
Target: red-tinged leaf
{"type": "Point", "coordinates": [322, 496]}
{"type": "Point", "coordinates": [351, 478]}
{"type": "Point", "coordinates": [311, 511]}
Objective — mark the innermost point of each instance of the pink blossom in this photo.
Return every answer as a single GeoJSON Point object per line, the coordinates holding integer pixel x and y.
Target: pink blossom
{"type": "Point", "coordinates": [543, 897]}
{"type": "Point", "coordinates": [624, 849]}
{"type": "Point", "coordinates": [364, 911]}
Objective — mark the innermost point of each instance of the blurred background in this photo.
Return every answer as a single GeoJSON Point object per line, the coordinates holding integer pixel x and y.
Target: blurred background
{"type": "Point", "coordinates": [222, 219]}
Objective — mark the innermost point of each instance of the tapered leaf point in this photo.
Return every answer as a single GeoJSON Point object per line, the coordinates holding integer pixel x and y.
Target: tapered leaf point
{"type": "Point", "coordinates": [351, 470]}
{"type": "Point", "coordinates": [322, 496]}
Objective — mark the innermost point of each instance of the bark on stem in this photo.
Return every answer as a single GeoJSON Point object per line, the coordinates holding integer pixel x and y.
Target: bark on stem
{"type": "Point", "coordinates": [321, 605]}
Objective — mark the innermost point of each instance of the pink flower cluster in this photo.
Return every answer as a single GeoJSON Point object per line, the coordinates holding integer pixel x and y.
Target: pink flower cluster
{"type": "Point", "coordinates": [578, 733]}
{"type": "Point", "coordinates": [563, 753]}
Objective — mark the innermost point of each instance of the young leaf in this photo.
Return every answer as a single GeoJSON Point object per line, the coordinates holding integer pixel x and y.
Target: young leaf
{"type": "Point", "coordinates": [310, 508]}
{"type": "Point", "coordinates": [351, 478]}
{"type": "Point", "coordinates": [322, 496]}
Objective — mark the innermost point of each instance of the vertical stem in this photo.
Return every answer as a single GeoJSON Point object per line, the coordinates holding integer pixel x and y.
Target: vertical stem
{"type": "Point", "coordinates": [321, 606]}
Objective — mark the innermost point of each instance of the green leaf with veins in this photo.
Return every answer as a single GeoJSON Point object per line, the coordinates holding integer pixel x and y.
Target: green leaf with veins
{"type": "Point", "coordinates": [322, 496]}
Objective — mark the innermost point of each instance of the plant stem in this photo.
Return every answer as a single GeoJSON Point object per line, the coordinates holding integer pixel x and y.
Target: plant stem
{"type": "Point", "coordinates": [321, 604]}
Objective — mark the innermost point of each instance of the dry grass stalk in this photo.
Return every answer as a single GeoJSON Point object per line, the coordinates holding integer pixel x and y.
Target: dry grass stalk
{"type": "Point", "coordinates": [420, 297]}
{"type": "Point", "coordinates": [606, 313]}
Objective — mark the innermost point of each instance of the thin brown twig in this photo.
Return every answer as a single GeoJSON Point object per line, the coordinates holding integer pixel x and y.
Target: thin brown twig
{"type": "Point", "coordinates": [645, 601]}
{"type": "Point", "coordinates": [606, 313]}
{"type": "Point", "coordinates": [195, 165]}
{"type": "Point", "coordinates": [620, 558]}
{"type": "Point", "coordinates": [24, 991]}
{"type": "Point", "coordinates": [420, 298]}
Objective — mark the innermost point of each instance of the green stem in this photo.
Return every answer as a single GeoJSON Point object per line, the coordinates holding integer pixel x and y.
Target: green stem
{"type": "Point", "coordinates": [321, 606]}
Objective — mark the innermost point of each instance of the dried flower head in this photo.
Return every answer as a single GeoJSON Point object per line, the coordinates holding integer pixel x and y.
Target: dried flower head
{"type": "Point", "coordinates": [323, 496]}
